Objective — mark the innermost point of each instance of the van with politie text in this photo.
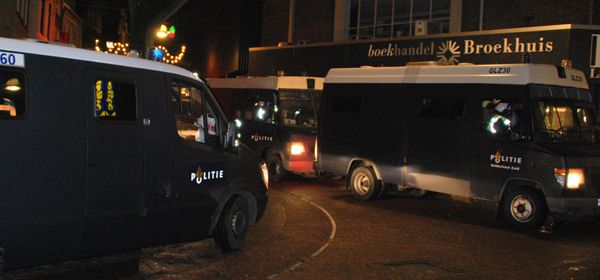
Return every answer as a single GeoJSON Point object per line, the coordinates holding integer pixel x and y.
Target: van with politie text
{"type": "Point", "coordinates": [104, 153]}
{"type": "Point", "coordinates": [522, 137]}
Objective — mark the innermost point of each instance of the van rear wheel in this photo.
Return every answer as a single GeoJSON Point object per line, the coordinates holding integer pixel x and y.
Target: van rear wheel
{"type": "Point", "coordinates": [524, 208]}
{"type": "Point", "coordinates": [233, 225]}
{"type": "Point", "coordinates": [364, 185]}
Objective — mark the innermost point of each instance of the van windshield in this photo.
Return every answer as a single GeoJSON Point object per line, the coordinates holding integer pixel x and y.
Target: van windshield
{"type": "Point", "coordinates": [299, 107]}
{"type": "Point", "coordinates": [568, 117]}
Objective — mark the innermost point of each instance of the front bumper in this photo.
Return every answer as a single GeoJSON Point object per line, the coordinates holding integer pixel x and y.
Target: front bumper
{"type": "Point", "coordinates": [574, 206]}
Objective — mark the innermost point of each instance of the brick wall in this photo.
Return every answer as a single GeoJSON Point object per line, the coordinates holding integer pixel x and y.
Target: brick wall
{"type": "Point", "coordinates": [313, 21]}
{"type": "Point", "coordinates": [275, 22]}
{"type": "Point", "coordinates": [8, 15]}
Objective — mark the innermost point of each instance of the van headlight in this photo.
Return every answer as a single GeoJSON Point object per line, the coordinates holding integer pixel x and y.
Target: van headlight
{"type": "Point", "coordinates": [572, 178]}
{"type": "Point", "coordinates": [264, 172]}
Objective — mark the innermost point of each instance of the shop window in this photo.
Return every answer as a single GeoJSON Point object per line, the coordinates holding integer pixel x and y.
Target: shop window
{"type": "Point", "coordinates": [394, 18]}
{"type": "Point", "coordinates": [115, 100]}
{"type": "Point", "coordinates": [12, 94]}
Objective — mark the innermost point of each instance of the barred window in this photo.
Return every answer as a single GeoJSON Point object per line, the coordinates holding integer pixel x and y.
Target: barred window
{"type": "Point", "coordinates": [115, 100]}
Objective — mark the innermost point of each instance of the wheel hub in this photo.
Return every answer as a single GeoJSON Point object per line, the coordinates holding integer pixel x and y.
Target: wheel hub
{"type": "Point", "coordinates": [522, 208]}
{"type": "Point", "coordinates": [362, 184]}
{"type": "Point", "coordinates": [237, 222]}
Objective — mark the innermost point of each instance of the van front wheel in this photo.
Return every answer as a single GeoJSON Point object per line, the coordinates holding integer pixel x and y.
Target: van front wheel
{"type": "Point", "coordinates": [233, 225]}
{"type": "Point", "coordinates": [524, 208]}
{"type": "Point", "coordinates": [364, 184]}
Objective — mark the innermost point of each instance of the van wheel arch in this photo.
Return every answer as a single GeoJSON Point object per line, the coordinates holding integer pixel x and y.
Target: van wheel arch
{"type": "Point", "coordinates": [366, 163]}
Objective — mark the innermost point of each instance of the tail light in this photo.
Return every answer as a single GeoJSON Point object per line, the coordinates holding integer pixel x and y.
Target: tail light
{"type": "Point", "coordinates": [572, 178]}
{"type": "Point", "coordinates": [297, 148]}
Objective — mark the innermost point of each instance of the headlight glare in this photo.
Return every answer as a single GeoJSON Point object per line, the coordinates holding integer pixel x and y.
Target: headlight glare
{"type": "Point", "coordinates": [264, 171]}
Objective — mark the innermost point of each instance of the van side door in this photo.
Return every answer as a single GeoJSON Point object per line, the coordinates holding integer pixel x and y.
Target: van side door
{"type": "Point", "coordinates": [439, 142]}
{"type": "Point", "coordinates": [496, 156]}
{"type": "Point", "coordinates": [115, 159]}
{"type": "Point", "coordinates": [200, 167]}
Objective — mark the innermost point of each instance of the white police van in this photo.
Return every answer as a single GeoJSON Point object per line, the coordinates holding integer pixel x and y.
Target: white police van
{"type": "Point", "coordinates": [103, 153]}
{"type": "Point", "coordinates": [521, 136]}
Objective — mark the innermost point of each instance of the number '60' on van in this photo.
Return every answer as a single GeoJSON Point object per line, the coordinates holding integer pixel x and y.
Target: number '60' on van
{"type": "Point", "coordinates": [104, 153]}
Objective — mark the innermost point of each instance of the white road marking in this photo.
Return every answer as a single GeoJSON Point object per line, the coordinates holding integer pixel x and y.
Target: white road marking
{"type": "Point", "coordinates": [323, 247]}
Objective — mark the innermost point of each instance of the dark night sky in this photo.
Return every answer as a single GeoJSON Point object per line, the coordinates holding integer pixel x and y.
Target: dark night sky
{"type": "Point", "coordinates": [110, 10]}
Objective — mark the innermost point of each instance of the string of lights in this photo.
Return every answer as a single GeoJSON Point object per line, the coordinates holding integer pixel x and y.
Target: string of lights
{"type": "Point", "coordinates": [113, 47]}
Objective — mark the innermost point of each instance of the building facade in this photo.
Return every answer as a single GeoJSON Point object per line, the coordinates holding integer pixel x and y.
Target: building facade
{"type": "Point", "coordinates": [337, 20]}
{"type": "Point", "coordinates": [46, 20]}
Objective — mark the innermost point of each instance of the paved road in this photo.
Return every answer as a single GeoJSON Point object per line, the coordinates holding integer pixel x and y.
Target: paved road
{"type": "Point", "coordinates": [314, 229]}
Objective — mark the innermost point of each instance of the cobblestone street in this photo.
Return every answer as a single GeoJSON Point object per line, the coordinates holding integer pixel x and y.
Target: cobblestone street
{"type": "Point", "coordinates": [314, 229]}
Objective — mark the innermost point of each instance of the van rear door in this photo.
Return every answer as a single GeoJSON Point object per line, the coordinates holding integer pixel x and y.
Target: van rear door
{"type": "Point", "coordinates": [115, 137]}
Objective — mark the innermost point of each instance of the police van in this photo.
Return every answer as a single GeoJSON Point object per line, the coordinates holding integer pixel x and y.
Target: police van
{"type": "Point", "coordinates": [104, 153]}
{"type": "Point", "coordinates": [278, 117]}
{"type": "Point", "coordinates": [521, 136]}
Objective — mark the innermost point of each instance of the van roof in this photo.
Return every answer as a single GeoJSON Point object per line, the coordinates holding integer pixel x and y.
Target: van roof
{"type": "Point", "coordinates": [268, 82]}
{"type": "Point", "coordinates": [55, 50]}
{"type": "Point", "coordinates": [513, 74]}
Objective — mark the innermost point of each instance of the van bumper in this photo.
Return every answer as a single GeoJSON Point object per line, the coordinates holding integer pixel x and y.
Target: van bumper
{"type": "Point", "coordinates": [303, 167]}
{"type": "Point", "coordinates": [574, 206]}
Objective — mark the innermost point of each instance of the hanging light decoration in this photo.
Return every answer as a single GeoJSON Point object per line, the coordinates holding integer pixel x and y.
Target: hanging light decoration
{"type": "Point", "coordinates": [113, 47]}
{"type": "Point", "coordinates": [161, 53]}
{"type": "Point", "coordinates": [162, 32]}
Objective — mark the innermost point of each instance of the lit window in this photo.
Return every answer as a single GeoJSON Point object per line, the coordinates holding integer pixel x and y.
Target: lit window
{"type": "Point", "coordinates": [12, 93]}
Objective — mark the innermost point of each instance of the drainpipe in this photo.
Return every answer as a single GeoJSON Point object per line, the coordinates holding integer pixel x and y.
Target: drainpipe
{"type": "Point", "coordinates": [291, 21]}
{"type": "Point", "coordinates": [481, 8]}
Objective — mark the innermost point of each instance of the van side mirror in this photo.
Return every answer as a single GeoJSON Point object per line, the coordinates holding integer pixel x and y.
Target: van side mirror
{"type": "Point", "coordinates": [232, 139]}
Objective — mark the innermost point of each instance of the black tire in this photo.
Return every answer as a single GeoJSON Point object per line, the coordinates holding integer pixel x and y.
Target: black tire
{"type": "Point", "coordinates": [233, 225]}
{"type": "Point", "coordinates": [364, 185]}
{"type": "Point", "coordinates": [275, 166]}
{"type": "Point", "coordinates": [524, 208]}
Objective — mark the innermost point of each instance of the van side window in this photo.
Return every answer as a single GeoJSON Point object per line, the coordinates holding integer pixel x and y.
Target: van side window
{"type": "Point", "coordinates": [450, 109]}
{"type": "Point", "coordinates": [115, 100]}
{"type": "Point", "coordinates": [254, 107]}
{"type": "Point", "coordinates": [12, 94]}
{"type": "Point", "coordinates": [499, 117]}
{"type": "Point", "coordinates": [194, 123]}
{"type": "Point", "coordinates": [346, 103]}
